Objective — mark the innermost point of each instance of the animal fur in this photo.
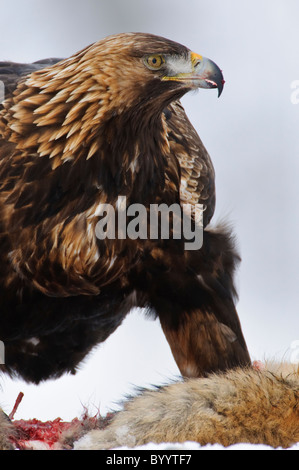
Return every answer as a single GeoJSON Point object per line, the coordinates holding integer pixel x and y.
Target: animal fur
{"type": "Point", "coordinates": [7, 432]}
{"type": "Point", "coordinates": [241, 405]}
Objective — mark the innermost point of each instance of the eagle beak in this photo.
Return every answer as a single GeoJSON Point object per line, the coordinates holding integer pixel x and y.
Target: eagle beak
{"type": "Point", "coordinates": [204, 74]}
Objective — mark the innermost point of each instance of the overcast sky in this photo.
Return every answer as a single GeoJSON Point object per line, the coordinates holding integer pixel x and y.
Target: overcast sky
{"type": "Point", "coordinates": [251, 133]}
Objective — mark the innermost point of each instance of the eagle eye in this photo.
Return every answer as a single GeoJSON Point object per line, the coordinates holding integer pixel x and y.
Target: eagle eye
{"type": "Point", "coordinates": [154, 62]}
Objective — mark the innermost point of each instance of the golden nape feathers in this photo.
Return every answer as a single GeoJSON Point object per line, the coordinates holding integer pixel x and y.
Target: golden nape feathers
{"type": "Point", "coordinates": [105, 128]}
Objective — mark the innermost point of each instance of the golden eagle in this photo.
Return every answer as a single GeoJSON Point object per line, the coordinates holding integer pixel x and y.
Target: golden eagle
{"type": "Point", "coordinates": [79, 133]}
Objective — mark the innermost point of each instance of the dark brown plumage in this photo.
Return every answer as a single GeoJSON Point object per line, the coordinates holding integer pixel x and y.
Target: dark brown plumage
{"type": "Point", "coordinates": [75, 134]}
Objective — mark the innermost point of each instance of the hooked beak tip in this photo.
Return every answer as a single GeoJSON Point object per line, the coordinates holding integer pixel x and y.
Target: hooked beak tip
{"type": "Point", "coordinates": [214, 77]}
{"type": "Point", "coordinates": [220, 87]}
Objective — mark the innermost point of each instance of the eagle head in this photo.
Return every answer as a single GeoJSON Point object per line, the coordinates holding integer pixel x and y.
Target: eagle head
{"type": "Point", "coordinates": [150, 69]}
{"type": "Point", "coordinates": [67, 108]}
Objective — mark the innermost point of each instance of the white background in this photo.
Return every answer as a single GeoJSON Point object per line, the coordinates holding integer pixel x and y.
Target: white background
{"type": "Point", "coordinates": [252, 134]}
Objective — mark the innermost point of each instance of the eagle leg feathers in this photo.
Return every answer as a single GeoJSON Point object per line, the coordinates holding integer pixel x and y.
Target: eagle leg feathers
{"type": "Point", "coordinates": [193, 297]}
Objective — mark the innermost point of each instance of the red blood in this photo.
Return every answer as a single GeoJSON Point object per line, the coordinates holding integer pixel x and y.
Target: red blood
{"type": "Point", "coordinates": [258, 365]}
{"type": "Point", "coordinates": [48, 432]}
{"type": "Point", "coordinates": [30, 432]}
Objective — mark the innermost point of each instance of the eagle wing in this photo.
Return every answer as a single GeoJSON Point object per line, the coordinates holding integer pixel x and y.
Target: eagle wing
{"type": "Point", "coordinates": [11, 73]}
{"type": "Point", "coordinates": [63, 213]}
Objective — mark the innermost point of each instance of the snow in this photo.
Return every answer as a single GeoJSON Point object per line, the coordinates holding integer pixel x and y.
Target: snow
{"type": "Point", "coordinates": [195, 446]}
